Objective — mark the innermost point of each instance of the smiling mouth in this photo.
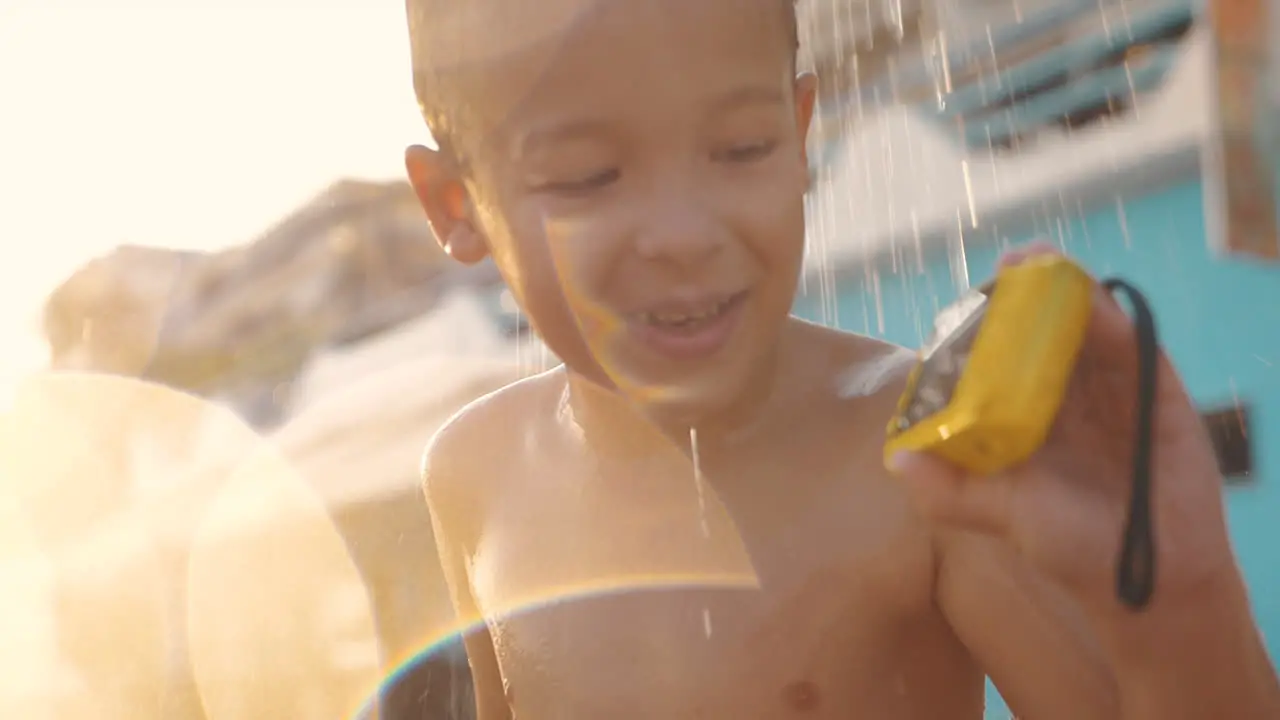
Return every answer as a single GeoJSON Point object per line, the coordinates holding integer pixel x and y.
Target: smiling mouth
{"type": "Point", "coordinates": [690, 331]}
{"type": "Point", "coordinates": [691, 319]}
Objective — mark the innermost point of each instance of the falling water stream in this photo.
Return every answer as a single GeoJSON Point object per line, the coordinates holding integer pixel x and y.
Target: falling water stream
{"type": "Point", "coordinates": [700, 488]}
{"type": "Point", "coordinates": [897, 128]}
{"type": "Point", "coordinates": [699, 483]}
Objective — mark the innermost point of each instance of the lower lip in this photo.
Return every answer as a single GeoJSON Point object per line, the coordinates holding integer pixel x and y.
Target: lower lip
{"type": "Point", "coordinates": [680, 344]}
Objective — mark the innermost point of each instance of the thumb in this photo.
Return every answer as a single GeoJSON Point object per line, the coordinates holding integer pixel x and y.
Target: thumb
{"type": "Point", "coordinates": [945, 494]}
{"type": "Point", "coordinates": [1021, 253]}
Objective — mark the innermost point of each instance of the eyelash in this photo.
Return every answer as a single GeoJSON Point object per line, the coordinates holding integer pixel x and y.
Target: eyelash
{"type": "Point", "coordinates": [739, 154]}
{"type": "Point", "coordinates": [746, 153]}
{"type": "Point", "coordinates": [594, 182]}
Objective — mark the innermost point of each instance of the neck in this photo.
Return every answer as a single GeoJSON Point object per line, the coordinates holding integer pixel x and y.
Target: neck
{"type": "Point", "coordinates": [610, 419]}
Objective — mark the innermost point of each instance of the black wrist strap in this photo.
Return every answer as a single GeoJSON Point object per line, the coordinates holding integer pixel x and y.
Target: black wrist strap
{"type": "Point", "coordinates": [1136, 571]}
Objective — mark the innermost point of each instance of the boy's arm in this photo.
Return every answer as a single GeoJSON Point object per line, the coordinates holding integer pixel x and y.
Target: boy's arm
{"type": "Point", "coordinates": [452, 507]}
{"type": "Point", "coordinates": [1029, 636]}
{"type": "Point", "coordinates": [1198, 655]}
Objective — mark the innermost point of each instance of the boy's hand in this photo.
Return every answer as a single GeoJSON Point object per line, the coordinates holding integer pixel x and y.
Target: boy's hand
{"type": "Point", "coordinates": [1065, 509]}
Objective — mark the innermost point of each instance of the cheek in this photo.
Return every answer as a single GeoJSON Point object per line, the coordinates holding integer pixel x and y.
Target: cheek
{"type": "Point", "coordinates": [584, 253]}
{"type": "Point", "coordinates": [552, 278]}
{"type": "Point", "coordinates": [772, 216]}
{"type": "Point", "coordinates": [530, 272]}
{"type": "Point", "coordinates": [559, 267]}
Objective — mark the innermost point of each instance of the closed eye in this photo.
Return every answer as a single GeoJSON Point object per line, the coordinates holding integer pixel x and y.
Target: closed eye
{"type": "Point", "coordinates": [745, 153]}
{"type": "Point", "coordinates": [582, 185]}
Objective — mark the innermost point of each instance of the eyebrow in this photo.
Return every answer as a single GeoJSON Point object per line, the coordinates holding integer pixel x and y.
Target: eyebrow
{"type": "Point", "coordinates": [748, 95]}
{"type": "Point", "coordinates": [531, 141]}
{"type": "Point", "coordinates": [744, 96]}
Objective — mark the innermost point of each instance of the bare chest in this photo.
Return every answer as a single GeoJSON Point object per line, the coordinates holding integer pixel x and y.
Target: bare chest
{"type": "Point", "coordinates": [673, 606]}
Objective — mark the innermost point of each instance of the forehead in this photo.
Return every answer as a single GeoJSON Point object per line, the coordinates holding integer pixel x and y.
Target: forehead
{"type": "Point", "coordinates": [503, 63]}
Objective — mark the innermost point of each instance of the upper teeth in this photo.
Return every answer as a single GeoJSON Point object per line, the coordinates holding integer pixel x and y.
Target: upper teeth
{"type": "Point", "coordinates": [670, 318]}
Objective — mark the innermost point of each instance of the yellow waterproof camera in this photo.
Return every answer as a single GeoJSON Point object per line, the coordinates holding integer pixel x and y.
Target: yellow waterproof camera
{"type": "Point", "coordinates": [990, 381]}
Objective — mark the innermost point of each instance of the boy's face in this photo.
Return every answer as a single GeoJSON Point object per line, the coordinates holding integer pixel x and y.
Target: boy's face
{"type": "Point", "coordinates": [640, 182]}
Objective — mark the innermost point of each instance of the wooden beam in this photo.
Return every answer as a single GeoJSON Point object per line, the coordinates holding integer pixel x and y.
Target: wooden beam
{"type": "Point", "coordinates": [1243, 151]}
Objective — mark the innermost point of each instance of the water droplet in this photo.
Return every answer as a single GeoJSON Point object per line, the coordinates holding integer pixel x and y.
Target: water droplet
{"type": "Point", "coordinates": [699, 482]}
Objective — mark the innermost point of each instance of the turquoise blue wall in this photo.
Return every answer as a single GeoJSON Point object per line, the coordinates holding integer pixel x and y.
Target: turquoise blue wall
{"type": "Point", "coordinates": [1219, 320]}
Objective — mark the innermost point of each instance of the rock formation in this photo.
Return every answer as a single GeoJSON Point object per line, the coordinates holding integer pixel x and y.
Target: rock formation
{"type": "Point", "coordinates": [242, 327]}
{"type": "Point", "coordinates": [239, 325]}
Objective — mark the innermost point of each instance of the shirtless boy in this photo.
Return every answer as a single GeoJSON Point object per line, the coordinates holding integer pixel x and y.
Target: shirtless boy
{"type": "Point", "coordinates": [637, 170]}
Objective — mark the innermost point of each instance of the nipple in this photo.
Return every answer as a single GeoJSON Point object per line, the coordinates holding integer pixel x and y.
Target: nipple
{"type": "Point", "coordinates": [802, 696]}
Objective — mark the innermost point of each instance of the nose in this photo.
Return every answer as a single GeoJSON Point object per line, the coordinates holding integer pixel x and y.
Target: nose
{"type": "Point", "coordinates": [680, 229]}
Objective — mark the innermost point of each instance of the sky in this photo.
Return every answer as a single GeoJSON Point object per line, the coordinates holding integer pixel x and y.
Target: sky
{"type": "Point", "coordinates": [181, 123]}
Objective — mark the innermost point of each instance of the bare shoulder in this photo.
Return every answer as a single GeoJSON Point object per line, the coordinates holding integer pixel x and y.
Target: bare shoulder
{"type": "Point", "coordinates": [465, 460]}
{"type": "Point", "coordinates": [857, 373]}
{"type": "Point", "coordinates": [848, 387]}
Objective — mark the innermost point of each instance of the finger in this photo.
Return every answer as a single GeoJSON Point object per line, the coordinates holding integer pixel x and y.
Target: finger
{"type": "Point", "coordinates": [1021, 253]}
{"type": "Point", "coordinates": [1040, 248]}
{"type": "Point", "coordinates": [1099, 410]}
{"type": "Point", "coordinates": [1111, 346]}
{"type": "Point", "coordinates": [942, 493]}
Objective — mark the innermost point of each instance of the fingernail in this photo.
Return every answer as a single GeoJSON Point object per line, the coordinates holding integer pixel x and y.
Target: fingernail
{"type": "Point", "coordinates": [1014, 258]}
{"type": "Point", "coordinates": [900, 461]}
{"type": "Point", "coordinates": [1022, 253]}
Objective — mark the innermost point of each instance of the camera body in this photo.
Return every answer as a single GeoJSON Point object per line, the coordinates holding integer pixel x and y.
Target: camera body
{"type": "Point", "coordinates": [988, 385]}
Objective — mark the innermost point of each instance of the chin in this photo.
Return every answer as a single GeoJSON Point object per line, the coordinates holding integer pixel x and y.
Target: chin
{"type": "Point", "coordinates": [689, 403]}
{"type": "Point", "coordinates": [696, 392]}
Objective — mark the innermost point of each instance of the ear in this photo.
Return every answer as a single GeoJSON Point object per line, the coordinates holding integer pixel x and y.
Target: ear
{"type": "Point", "coordinates": [806, 96]}
{"type": "Point", "coordinates": [439, 187]}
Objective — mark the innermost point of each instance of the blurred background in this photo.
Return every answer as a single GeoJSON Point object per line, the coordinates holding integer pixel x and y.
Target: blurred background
{"type": "Point", "coordinates": [228, 333]}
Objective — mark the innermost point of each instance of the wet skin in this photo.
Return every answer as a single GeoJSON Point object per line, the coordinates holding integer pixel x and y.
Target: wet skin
{"type": "Point", "coordinates": [639, 180]}
{"type": "Point", "coordinates": [581, 548]}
